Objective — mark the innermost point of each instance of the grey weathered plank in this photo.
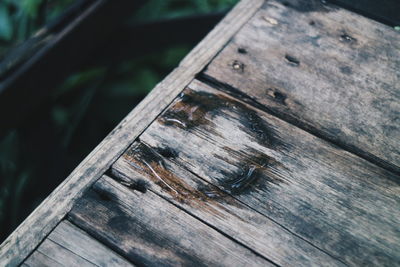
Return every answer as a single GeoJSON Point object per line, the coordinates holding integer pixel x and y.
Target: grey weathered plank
{"type": "Point", "coordinates": [142, 165]}
{"type": "Point", "coordinates": [343, 82]}
{"type": "Point", "coordinates": [68, 245]}
{"type": "Point", "coordinates": [148, 230]}
{"type": "Point", "coordinates": [343, 204]}
{"type": "Point", "coordinates": [35, 228]}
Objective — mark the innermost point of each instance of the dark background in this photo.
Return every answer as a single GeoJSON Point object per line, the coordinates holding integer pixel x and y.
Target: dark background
{"type": "Point", "coordinates": [38, 154]}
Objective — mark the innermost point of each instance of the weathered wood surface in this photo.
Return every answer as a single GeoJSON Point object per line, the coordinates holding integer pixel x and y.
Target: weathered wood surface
{"type": "Point", "coordinates": [145, 166]}
{"type": "Point", "coordinates": [40, 223]}
{"type": "Point", "coordinates": [67, 245]}
{"type": "Point", "coordinates": [236, 170]}
{"type": "Point", "coordinates": [344, 205]}
{"type": "Point", "coordinates": [325, 69]}
{"type": "Point", "coordinates": [150, 231]}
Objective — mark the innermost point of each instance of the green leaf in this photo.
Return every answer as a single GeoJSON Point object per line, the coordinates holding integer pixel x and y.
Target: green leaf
{"type": "Point", "coordinates": [174, 55]}
{"type": "Point", "coordinates": [146, 80]}
{"type": "Point", "coordinates": [9, 153]}
{"type": "Point", "coordinates": [79, 79]}
{"type": "Point", "coordinates": [397, 28]}
{"type": "Point", "coordinates": [60, 116]}
{"type": "Point", "coordinates": [30, 7]}
{"type": "Point", "coordinates": [6, 30]}
{"type": "Point", "coordinates": [202, 6]}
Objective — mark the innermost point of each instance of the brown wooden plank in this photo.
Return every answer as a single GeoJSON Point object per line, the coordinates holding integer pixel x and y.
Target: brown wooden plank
{"type": "Point", "coordinates": [344, 205]}
{"type": "Point", "coordinates": [143, 166]}
{"type": "Point", "coordinates": [325, 69]}
{"type": "Point", "coordinates": [151, 231]}
{"type": "Point", "coordinates": [40, 223]}
{"type": "Point", "coordinates": [68, 245]}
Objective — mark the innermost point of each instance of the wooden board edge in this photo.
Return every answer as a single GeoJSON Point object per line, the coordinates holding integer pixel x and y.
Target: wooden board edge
{"type": "Point", "coordinates": [45, 217]}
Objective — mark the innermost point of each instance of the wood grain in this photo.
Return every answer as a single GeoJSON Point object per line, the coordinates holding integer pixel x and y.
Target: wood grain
{"type": "Point", "coordinates": [151, 231]}
{"type": "Point", "coordinates": [142, 165]}
{"type": "Point", "coordinates": [35, 228]}
{"type": "Point", "coordinates": [342, 204]}
{"type": "Point", "coordinates": [324, 69]}
{"type": "Point", "coordinates": [68, 245]}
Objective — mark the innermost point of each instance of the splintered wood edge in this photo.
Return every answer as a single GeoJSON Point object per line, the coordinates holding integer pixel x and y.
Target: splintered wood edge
{"type": "Point", "coordinates": [45, 217]}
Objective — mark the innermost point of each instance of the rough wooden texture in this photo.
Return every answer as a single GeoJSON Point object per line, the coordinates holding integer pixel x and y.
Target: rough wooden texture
{"type": "Point", "coordinates": [230, 184]}
{"type": "Point", "coordinates": [325, 69]}
{"type": "Point", "coordinates": [68, 245]}
{"type": "Point", "coordinates": [34, 229]}
{"type": "Point", "coordinates": [151, 231]}
{"type": "Point", "coordinates": [340, 203]}
{"type": "Point", "coordinates": [143, 167]}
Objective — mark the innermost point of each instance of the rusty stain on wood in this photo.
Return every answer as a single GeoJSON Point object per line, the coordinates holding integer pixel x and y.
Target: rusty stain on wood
{"type": "Point", "coordinates": [191, 110]}
{"type": "Point", "coordinates": [148, 230]}
{"type": "Point", "coordinates": [148, 162]}
{"type": "Point", "coordinates": [303, 179]}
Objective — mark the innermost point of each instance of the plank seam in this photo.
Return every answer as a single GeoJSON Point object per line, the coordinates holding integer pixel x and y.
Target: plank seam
{"type": "Point", "coordinates": [40, 243]}
{"type": "Point", "coordinates": [277, 223]}
{"type": "Point", "coordinates": [116, 178]}
{"type": "Point", "coordinates": [80, 256]}
{"type": "Point", "coordinates": [69, 219]}
{"type": "Point", "coordinates": [236, 93]}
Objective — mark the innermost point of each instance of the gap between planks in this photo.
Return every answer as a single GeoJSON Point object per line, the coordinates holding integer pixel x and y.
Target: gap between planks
{"type": "Point", "coordinates": [148, 230]}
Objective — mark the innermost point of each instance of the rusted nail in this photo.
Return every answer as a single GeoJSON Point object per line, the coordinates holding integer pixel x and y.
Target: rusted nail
{"type": "Point", "coordinates": [238, 66]}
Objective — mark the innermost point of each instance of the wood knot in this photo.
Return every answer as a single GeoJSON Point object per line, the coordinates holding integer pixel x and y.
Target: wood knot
{"type": "Point", "coordinates": [292, 60]}
{"type": "Point", "coordinates": [345, 38]}
{"type": "Point", "coordinates": [242, 50]}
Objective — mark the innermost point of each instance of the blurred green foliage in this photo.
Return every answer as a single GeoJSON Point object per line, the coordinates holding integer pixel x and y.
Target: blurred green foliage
{"type": "Point", "coordinates": [157, 9]}
{"type": "Point", "coordinates": [83, 109]}
{"type": "Point", "coordinates": [19, 19]}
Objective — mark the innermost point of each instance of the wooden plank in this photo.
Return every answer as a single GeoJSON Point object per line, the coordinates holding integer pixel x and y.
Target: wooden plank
{"type": "Point", "coordinates": [143, 166]}
{"type": "Point", "coordinates": [342, 204]}
{"type": "Point", "coordinates": [68, 245]}
{"type": "Point", "coordinates": [324, 69]}
{"type": "Point", "coordinates": [151, 231]}
{"type": "Point", "coordinates": [34, 229]}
